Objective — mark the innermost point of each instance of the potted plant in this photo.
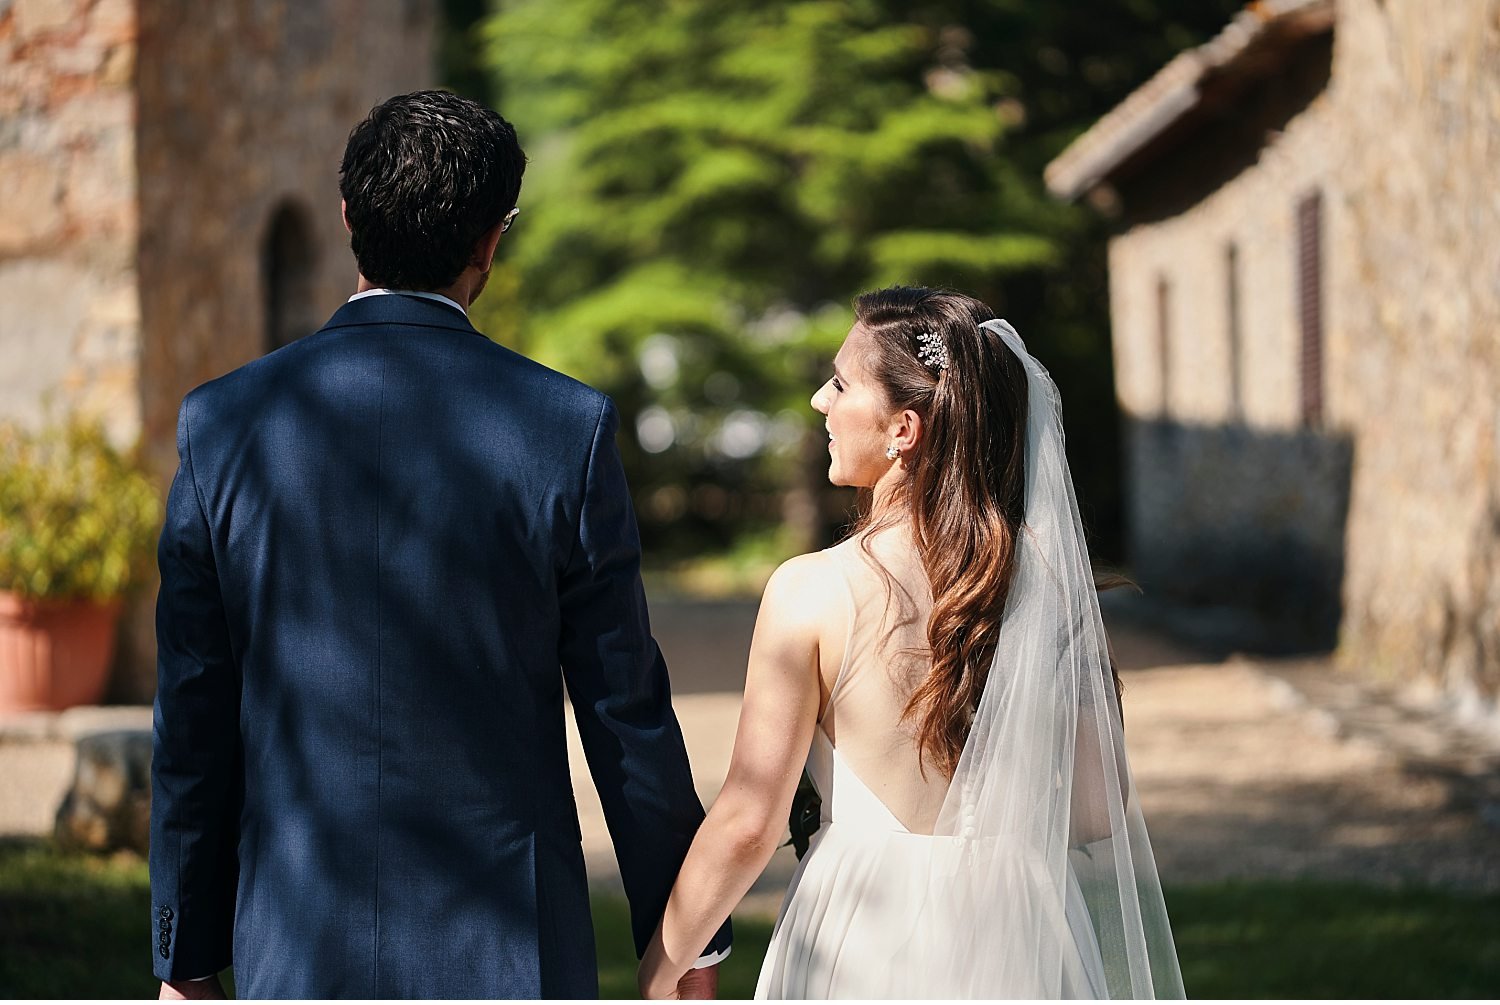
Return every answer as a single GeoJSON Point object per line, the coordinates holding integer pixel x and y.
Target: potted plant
{"type": "Point", "coordinates": [77, 518]}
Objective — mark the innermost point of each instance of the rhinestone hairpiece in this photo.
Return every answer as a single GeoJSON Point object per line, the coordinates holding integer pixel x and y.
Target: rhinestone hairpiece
{"type": "Point", "coordinates": [931, 350]}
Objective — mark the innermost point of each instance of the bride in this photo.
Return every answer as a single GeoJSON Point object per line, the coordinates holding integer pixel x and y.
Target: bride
{"type": "Point", "coordinates": [944, 676]}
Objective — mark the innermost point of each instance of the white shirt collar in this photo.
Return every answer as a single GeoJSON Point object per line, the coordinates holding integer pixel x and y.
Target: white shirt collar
{"type": "Point", "coordinates": [412, 293]}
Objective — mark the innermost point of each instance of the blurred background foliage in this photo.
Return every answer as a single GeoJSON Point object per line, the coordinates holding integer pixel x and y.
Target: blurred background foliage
{"type": "Point", "coordinates": [78, 518]}
{"type": "Point", "coordinates": [712, 181]}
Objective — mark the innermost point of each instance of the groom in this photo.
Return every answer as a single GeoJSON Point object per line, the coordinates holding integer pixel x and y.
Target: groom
{"type": "Point", "coordinates": [382, 543]}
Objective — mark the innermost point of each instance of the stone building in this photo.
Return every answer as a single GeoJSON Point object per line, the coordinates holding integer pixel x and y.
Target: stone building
{"type": "Point", "coordinates": [1305, 301]}
{"type": "Point", "coordinates": [169, 201]}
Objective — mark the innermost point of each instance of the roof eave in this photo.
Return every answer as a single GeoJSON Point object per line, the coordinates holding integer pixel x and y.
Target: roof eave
{"type": "Point", "coordinates": [1176, 91]}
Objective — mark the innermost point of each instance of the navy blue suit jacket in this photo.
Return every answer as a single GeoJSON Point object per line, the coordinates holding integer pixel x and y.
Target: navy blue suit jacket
{"type": "Point", "coordinates": [382, 545]}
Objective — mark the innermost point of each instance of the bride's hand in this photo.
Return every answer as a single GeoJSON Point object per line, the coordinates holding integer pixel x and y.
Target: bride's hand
{"type": "Point", "coordinates": [657, 978]}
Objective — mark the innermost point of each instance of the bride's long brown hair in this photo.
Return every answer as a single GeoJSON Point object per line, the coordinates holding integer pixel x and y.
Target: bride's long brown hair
{"type": "Point", "coordinates": [964, 493]}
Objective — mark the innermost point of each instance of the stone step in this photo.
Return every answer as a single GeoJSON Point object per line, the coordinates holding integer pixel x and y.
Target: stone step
{"type": "Point", "coordinates": [100, 754]}
{"type": "Point", "coordinates": [71, 725]}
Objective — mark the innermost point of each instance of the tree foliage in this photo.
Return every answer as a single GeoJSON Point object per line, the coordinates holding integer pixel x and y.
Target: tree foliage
{"type": "Point", "coordinates": [77, 517]}
{"type": "Point", "coordinates": [712, 181]}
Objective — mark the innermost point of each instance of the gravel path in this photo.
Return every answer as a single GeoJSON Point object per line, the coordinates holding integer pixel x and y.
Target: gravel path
{"type": "Point", "coordinates": [1243, 770]}
{"type": "Point", "coordinates": [1239, 778]}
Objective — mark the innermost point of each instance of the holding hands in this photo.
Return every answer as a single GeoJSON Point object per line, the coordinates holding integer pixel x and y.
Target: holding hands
{"type": "Point", "coordinates": [656, 981]}
{"type": "Point", "coordinates": [185, 990]}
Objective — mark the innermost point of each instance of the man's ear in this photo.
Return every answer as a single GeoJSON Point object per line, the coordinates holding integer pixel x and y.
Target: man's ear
{"type": "Point", "coordinates": [344, 212]}
{"type": "Point", "coordinates": [905, 429]}
{"type": "Point", "coordinates": [484, 251]}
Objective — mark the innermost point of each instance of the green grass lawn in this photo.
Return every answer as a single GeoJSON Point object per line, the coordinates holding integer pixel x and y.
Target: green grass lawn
{"type": "Point", "coordinates": [78, 926]}
{"type": "Point", "coordinates": [617, 960]}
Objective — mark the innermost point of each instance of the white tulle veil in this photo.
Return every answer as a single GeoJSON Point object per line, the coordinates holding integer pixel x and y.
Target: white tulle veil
{"type": "Point", "coordinates": [1054, 891]}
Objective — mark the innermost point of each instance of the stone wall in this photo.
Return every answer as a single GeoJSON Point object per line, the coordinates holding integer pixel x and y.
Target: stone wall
{"type": "Point", "coordinates": [245, 106]}
{"type": "Point", "coordinates": [244, 109]}
{"type": "Point", "coordinates": [149, 150]}
{"type": "Point", "coordinates": [70, 327]}
{"type": "Point", "coordinates": [1227, 186]}
{"type": "Point", "coordinates": [1404, 146]}
{"type": "Point", "coordinates": [1226, 516]}
{"type": "Point", "coordinates": [1418, 90]}
{"type": "Point", "coordinates": [1230, 500]}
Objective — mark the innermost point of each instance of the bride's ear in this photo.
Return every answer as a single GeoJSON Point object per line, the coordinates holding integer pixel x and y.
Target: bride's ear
{"type": "Point", "coordinates": [905, 430]}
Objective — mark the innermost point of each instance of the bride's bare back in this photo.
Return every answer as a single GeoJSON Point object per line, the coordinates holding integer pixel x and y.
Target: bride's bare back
{"type": "Point", "coordinates": [876, 656]}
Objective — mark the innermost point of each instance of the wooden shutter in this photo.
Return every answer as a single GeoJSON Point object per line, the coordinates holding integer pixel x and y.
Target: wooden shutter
{"type": "Point", "coordinates": [1310, 305]}
{"type": "Point", "coordinates": [1164, 341]}
{"type": "Point", "coordinates": [1232, 319]}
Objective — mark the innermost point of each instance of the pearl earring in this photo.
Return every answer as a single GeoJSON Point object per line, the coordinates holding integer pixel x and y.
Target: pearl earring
{"type": "Point", "coordinates": [892, 452]}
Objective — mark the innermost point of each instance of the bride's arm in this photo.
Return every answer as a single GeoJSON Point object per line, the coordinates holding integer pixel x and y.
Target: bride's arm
{"type": "Point", "coordinates": [747, 820]}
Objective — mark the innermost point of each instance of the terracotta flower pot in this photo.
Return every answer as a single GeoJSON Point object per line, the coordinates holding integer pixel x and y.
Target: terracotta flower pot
{"type": "Point", "coordinates": [54, 653]}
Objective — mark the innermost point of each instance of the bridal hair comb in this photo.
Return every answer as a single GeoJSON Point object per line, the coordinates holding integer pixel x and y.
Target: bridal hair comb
{"type": "Point", "coordinates": [931, 351]}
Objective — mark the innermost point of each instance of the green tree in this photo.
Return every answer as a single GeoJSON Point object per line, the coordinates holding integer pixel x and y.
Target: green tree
{"type": "Point", "coordinates": [711, 181]}
{"type": "Point", "coordinates": [1064, 65]}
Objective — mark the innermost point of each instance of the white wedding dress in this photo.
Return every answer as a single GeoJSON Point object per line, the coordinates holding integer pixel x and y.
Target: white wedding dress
{"type": "Point", "coordinates": [860, 917]}
{"type": "Point", "coordinates": [1029, 874]}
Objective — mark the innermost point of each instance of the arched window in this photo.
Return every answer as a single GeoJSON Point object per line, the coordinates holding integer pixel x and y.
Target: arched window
{"type": "Point", "coordinates": [288, 268]}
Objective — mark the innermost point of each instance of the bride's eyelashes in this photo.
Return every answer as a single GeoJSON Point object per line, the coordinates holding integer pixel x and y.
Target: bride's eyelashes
{"type": "Point", "coordinates": [838, 385]}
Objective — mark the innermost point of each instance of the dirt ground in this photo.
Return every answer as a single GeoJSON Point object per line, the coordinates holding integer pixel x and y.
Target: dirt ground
{"type": "Point", "coordinates": [1240, 775]}
{"type": "Point", "coordinates": [1239, 779]}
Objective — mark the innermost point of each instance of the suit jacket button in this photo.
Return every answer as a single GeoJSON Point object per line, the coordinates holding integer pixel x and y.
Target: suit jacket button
{"type": "Point", "coordinates": [166, 914]}
{"type": "Point", "coordinates": [166, 926]}
{"type": "Point", "coordinates": [165, 952]}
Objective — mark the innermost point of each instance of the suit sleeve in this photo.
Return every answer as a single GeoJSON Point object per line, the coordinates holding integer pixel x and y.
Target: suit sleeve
{"type": "Point", "coordinates": [617, 681]}
{"type": "Point", "coordinates": [196, 781]}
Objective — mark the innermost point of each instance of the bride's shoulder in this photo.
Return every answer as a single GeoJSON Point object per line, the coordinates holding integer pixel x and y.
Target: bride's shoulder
{"type": "Point", "coordinates": [801, 589]}
{"type": "Point", "coordinates": [806, 574]}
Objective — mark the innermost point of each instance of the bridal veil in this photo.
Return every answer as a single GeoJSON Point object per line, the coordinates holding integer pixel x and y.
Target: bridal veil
{"type": "Point", "coordinates": [1052, 890]}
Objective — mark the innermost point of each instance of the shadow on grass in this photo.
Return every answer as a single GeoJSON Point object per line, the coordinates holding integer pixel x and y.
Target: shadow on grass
{"type": "Point", "coordinates": [79, 926]}
{"type": "Point", "coordinates": [1328, 940]}
{"type": "Point", "coordinates": [73, 926]}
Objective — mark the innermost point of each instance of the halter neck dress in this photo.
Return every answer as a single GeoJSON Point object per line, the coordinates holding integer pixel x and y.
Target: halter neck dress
{"type": "Point", "coordinates": [860, 918]}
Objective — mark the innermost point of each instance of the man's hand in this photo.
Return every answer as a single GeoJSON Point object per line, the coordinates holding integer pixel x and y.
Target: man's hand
{"type": "Point", "coordinates": [183, 990]}
{"type": "Point", "coordinates": [699, 985]}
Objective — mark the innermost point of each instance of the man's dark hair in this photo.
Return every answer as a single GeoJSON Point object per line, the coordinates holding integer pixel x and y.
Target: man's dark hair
{"type": "Point", "coordinates": [424, 176]}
